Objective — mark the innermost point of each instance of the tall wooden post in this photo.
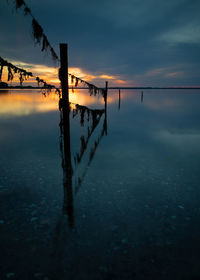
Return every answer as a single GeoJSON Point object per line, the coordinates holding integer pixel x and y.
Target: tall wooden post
{"type": "Point", "coordinates": [63, 74]}
{"type": "Point", "coordinates": [67, 164]}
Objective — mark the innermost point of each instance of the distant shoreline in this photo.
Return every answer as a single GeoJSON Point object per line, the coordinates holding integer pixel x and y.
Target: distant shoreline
{"type": "Point", "coordinates": [127, 88]}
{"type": "Point", "coordinates": [153, 88]}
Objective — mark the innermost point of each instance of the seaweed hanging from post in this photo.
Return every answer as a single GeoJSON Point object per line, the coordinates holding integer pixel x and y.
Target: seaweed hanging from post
{"type": "Point", "coordinates": [94, 90]}
{"type": "Point", "coordinates": [23, 75]}
{"type": "Point", "coordinates": [37, 30]}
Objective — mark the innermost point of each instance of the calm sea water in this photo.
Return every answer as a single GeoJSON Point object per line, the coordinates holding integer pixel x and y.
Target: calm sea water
{"type": "Point", "coordinates": [121, 200]}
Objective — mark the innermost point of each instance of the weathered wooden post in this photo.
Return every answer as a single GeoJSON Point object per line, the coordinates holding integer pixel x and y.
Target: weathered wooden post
{"type": "Point", "coordinates": [65, 109]}
{"type": "Point", "coordinates": [63, 72]}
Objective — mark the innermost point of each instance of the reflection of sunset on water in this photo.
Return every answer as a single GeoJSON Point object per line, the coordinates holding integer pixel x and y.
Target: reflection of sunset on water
{"type": "Point", "coordinates": [26, 102]}
{"type": "Point", "coordinates": [17, 103]}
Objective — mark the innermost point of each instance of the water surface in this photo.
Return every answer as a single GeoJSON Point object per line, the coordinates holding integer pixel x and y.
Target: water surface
{"type": "Point", "coordinates": [129, 205]}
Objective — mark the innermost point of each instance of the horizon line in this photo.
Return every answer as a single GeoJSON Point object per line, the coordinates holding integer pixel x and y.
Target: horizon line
{"type": "Point", "coordinates": [113, 87]}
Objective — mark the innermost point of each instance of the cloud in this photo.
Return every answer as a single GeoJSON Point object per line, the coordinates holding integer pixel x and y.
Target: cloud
{"type": "Point", "coordinates": [156, 72]}
{"type": "Point", "coordinates": [50, 75]}
{"type": "Point", "coordinates": [175, 74]}
{"type": "Point", "coordinates": [164, 76]}
{"type": "Point", "coordinates": [189, 33]}
{"type": "Point", "coordinates": [133, 41]}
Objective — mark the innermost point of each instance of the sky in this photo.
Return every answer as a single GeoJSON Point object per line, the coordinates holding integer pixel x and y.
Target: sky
{"type": "Point", "coordinates": [128, 43]}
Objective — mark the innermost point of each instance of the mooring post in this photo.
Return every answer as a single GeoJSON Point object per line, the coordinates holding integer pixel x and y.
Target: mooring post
{"type": "Point", "coordinates": [63, 72]}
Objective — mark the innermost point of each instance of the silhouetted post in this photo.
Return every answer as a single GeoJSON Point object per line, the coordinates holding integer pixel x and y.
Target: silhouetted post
{"type": "Point", "coordinates": [65, 108]}
{"type": "Point", "coordinates": [63, 74]}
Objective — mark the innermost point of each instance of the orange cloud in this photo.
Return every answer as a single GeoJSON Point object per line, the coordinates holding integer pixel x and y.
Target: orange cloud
{"type": "Point", "coordinates": [174, 74]}
{"type": "Point", "coordinates": [120, 82]}
{"type": "Point", "coordinates": [108, 77]}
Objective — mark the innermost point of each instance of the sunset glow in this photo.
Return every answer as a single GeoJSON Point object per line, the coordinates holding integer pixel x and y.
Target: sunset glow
{"type": "Point", "coordinates": [50, 75]}
{"type": "Point", "coordinates": [99, 140]}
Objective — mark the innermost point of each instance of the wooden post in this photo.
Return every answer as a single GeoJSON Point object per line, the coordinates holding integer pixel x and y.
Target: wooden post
{"type": "Point", "coordinates": [67, 165]}
{"type": "Point", "coordinates": [63, 74]}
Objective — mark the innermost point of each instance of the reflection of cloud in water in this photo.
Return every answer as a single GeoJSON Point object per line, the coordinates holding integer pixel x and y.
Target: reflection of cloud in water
{"type": "Point", "coordinates": [27, 102]}
{"type": "Point", "coordinates": [160, 100]}
{"type": "Point", "coordinates": [163, 104]}
{"type": "Point", "coordinates": [151, 99]}
{"type": "Point", "coordinates": [187, 140]}
{"type": "Point", "coordinates": [4, 133]}
{"type": "Point", "coordinates": [21, 103]}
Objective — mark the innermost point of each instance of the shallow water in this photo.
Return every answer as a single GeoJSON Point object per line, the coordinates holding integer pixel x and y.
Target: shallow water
{"type": "Point", "coordinates": [130, 208]}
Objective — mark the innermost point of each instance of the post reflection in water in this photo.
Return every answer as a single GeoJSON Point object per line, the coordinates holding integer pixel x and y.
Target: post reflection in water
{"type": "Point", "coordinates": [142, 96]}
{"type": "Point", "coordinates": [91, 119]}
{"type": "Point", "coordinates": [94, 219]}
{"type": "Point", "coordinates": [119, 103]}
{"type": "Point", "coordinates": [65, 148]}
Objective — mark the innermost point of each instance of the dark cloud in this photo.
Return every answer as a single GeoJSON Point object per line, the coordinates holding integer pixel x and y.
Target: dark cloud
{"type": "Point", "coordinates": [130, 38]}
